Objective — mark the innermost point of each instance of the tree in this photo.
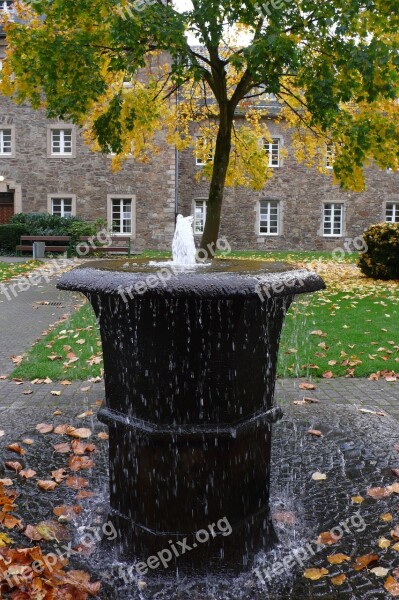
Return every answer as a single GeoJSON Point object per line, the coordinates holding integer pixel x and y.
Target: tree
{"type": "Point", "coordinates": [333, 66]}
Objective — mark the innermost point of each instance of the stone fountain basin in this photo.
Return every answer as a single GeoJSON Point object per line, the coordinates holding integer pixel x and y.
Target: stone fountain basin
{"type": "Point", "coordinates": [220, 278]}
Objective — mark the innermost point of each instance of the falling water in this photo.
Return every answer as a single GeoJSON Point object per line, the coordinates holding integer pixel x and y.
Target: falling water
{"type": "Point", "coordinates": [183, 246]}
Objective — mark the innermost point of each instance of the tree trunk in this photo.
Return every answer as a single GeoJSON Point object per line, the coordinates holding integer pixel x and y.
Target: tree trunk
{"type": "Point", "coordinates": [220, 164]}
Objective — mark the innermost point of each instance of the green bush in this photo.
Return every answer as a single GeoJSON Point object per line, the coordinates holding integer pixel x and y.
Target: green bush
{"type": "Point", "coordinates": [381, 260]}
{"type": "Point", "coordinates": [10, 236]}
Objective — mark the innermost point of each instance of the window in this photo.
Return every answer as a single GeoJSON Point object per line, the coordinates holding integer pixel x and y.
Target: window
{"type": "Point", "coordinates": [330, 155]}
{"type": "Point", "coordinates": [61, 141]}
{"type": "Point", "coordinates": [121, 215]}
{"type": "Point", "coordinates": [269, 217]}
{"type": "Point", "coordinates": [200, 159]}
{"type": "Point", "coordinates": [61, 204]}
{"type": "Point", "coordinates": [63, 207]}
{"type": "Point", "coordinates": [333, 213]}
{"type": "Point", "coordinates": [273, 150]}
{"type": "Point", "coordinates": [199, 216]}
{"type": "Point", "coordinates": [392, 212]}
{"type": "Point", "coordinates": [6, 142]}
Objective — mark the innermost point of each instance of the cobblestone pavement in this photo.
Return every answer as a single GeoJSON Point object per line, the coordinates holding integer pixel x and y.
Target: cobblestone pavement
{"type": "Point", "coordinates": [371, 395]}
{"type": "Point", "coordinates": [26, 311]}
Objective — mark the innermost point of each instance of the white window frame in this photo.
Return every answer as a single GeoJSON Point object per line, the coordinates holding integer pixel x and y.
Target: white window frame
{"type": "Point", "coordinates": [62, 154]}
{"type": "Point", "coordinates": [269, 202]}
{"type": "Point", "coordinates": [395, 211]}
{"type": "Point", "coordinates": [268, 147]}
{"type": "Point", "coordinates": [198, 161]}
{"type": "Point", "coordinates": [11, 129]}
{"type": "Point", "coordinates": [202, 201]}
{"type": "Point", "coordinates": [61, 196]}
{"type": "Point", "coordinates": [325, 221]}
{"type": "Point", "coordinates": [121, 197]}
{"type": "Point", "coordinates": [330, 155]}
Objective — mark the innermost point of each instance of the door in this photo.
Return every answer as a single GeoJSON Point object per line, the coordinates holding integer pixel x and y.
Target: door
{"type": "Point", "coordinates": [6, 206]}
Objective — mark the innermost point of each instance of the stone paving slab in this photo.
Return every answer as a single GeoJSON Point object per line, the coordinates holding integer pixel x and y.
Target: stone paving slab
{"type": "Point", "coordinates": [25, 311]}
{"type": "Point", "coordinates": [373, 395]}
{"type": "Point", "coordinates": [362, 392]}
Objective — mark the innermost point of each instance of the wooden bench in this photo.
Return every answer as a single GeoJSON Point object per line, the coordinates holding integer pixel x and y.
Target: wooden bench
{"type": "Point", "coordinates": [53, 243]}
{"type": "Point", "coordinates": [124, 246]}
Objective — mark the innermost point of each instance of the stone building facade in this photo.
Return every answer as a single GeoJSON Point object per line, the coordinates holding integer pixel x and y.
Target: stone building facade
{"type": "Point", "coordinates": [299, 208]}
{"type": "Point", "coordinates": [45, 166]}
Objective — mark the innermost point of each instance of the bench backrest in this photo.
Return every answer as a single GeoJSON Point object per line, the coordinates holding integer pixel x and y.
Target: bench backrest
{"type": "Point", "coordinates": [113, 238]}
{"type": "Point", "coordinates": [45, 238]}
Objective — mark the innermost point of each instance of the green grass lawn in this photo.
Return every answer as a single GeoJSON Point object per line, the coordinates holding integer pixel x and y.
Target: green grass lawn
{"type": "Point", "coordinates": [349, 329]}
{"type": "Point", "coordinates": [9, 270]}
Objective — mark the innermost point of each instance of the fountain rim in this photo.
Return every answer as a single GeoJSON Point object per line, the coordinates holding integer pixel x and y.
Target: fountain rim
{"type": "Point", "coordinates": [205, 285]}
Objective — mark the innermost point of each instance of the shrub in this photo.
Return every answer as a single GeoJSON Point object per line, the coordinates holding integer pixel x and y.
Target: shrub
{"type": "Point", "coordinates": [381, 261]}
{"type": "Point", "coordinates": [10, 236]}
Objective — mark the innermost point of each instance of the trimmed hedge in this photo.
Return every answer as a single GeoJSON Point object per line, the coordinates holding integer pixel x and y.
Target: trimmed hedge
{"type": "Point", "coordinates": [381, 261]}
{"type": "Point", "coordinates": [10, 236]}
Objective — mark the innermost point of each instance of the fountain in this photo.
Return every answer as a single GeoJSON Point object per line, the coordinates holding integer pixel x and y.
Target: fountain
{"type": "Point", "coordinates": [190, 360]}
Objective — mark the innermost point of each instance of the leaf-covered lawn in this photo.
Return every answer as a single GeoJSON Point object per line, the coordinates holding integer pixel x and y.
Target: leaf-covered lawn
{"type": "Point", "coordinates": [351, 329]}
{"type": "Point", "coordinates": [9, 270]}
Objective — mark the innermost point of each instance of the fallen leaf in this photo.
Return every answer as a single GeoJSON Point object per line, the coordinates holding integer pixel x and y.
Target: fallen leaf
{"type": "Point", "coordinates": [338, 579]}
{"type": "Point", "coordinates": [28, 441]}
{"type": "Point", "coordinates": [380, 571]}
{"type": "Point", "coordinates": [77, 463]}
{"type": "Point", "coordinates": [76, 483]}
{"type": "Point", "coordinates": [63, 448]}
{"type": "Point", "coordinates": [44, 428]}
{"type": "Point", "coordinates": [67, 511]}
{"type": "Point", "coordinates": [6, 482]}
{"type": "Point", "coordinates": [328, 375]}
{"type": "Point", "coordinates": [55, 393]}
{"type": "Point", "coordinates": [47, 485]}
{"type": "Point", "coordinates": [85, 494]}
{"type": "Point", "coordinates": [393, 488]}
{"type": "Point", "coordinates": [27, 473]}
{"type": "Point", "coordinates": [378, 492]}
{"type": "Point", "coordinates": [327, 538]}
{"type": "Point", "coordinates": [32, 533]}
{"type": "Point", "coordinates": [61, 429]}
{"type": "Point", "coordinates": [65, 382]}
{"type": "Point", "coordinates": [337, 559]}
{"type": "Point", "coordinates": [59, 475]}
{"type": "Point", "coordinates": [87, 413]}
{"type": "Point", "coordinates": [79, 447]}
{"type": "Point", "coordinates": [14, 466]}
{"type": "Point", "coordinates": [318, 332]}
{"type": "Point", "coordinates": [284, 516]}
{"type": "Point", "coordinates": [392, 586]}
{"type": "Point", "coordinates": [386, 517]}
{"type": "Point", "coordinates": [383, 543]}
{"type": "Point", "coordinates": [357, 499]}
{"type": "Point", "coordinates": [319, 476]}
{"type": "Point", "coordinates": [27, 392]}
{"type": "Point", "coordinates": [52, 530]}
{"type": "Point", "coordinates": [81, 433]}
{"type": "Point", "coordinates": [307, 386]}
{"type": "Point", "coordinates": [364, 561]}
{"type": "Point", "coordinates": [315, 574]}
{"type": "Point", "coordinates": [16, 448]}
{"type": "Point", "coordinates": [315, 432]}
{"type": "Point", "coordinates": [103, 435]}
{"type": "Point", "coordinates": [395, 533]}
{"type": "Point", "coordinates": [5, 540]}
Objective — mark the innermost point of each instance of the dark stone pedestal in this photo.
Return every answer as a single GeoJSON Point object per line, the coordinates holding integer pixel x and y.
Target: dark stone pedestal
{"type": "Point", "coordinates": [190, 370]}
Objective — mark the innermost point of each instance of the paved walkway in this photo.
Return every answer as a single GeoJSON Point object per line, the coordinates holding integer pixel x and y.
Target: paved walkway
{"type": "Point", "coordinates": [28, 309]}
{"type": "Point", "coordinates": [362, 393]}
